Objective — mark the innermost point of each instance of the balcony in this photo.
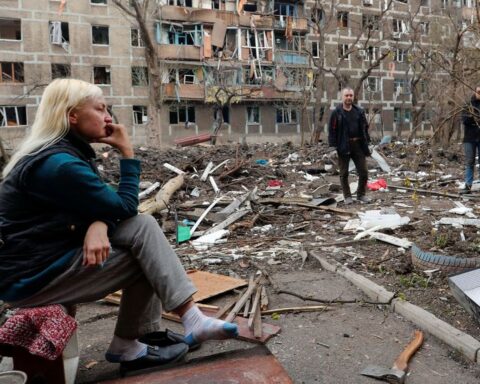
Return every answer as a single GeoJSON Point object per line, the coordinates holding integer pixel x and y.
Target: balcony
{"type": "Point", "coordinates": [184, 91]}
{"type": "Point", "coordinates": [299, 24]}
{"type": "Point", "coordinates": [290, 57]}
{"type": "Point", "coordinates": [179, 52]}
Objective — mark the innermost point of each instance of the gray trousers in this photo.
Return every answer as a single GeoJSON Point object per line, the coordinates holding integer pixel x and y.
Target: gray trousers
{"type": "Point", "coordinates": [142, 263]}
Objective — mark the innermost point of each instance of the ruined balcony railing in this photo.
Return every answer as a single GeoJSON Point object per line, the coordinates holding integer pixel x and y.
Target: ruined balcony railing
{"type": "Point", "coordinates": [184, 91]}
{"type": "Point", "coordinates": [299, 24]}
{"type": "Point", "coordinates": [291, 57]}
{"type": "Point", "coordinates": [179, 52]}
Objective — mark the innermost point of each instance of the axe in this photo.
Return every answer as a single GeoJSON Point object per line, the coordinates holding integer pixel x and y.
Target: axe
{"type": "Point", "coordinates": [397, 373]}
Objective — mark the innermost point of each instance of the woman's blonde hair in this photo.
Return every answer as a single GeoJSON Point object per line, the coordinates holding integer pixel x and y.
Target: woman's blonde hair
{"type": "Point", "coordinates": [51, 123]}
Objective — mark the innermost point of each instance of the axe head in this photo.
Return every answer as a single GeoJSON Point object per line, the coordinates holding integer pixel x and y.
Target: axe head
{"type": "Point", "coordinates": [390, 375]}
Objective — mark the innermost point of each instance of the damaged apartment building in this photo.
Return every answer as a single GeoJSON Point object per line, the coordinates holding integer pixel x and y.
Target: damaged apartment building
{"type": "Point", "coordinates": [244, 67]}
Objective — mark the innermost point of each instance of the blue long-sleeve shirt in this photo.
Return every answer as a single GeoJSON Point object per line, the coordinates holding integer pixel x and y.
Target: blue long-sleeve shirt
{"type": "Point", "coordinates": [69, 183]}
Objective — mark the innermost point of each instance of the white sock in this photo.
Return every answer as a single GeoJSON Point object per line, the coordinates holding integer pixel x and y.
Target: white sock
{"type": "Point", "coordinates": [125, 350]}
{"type": "Point", "coordinates": [199, 328]}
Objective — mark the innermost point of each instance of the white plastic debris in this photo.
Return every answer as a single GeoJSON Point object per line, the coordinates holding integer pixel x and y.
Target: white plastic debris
{"type": "Point", "coordinates": [205, 242]}
{"type": "Point", "coordinates": [377, 219]}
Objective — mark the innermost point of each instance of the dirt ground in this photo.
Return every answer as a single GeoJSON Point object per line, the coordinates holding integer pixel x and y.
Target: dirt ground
{"type": "Point", "coordinates": [283, 233]}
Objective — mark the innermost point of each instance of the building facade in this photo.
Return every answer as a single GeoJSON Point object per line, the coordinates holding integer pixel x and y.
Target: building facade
{"type": "Point", "coordinates": [264, 70]}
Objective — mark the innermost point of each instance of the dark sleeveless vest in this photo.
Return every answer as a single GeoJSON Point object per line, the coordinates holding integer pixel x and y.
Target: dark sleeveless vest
{"type": "Point", "coordinates": [34, 232]}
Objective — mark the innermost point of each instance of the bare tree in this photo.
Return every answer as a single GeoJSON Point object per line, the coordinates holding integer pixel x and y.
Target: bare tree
{"type": "Point", "coordinates": [143, 12]}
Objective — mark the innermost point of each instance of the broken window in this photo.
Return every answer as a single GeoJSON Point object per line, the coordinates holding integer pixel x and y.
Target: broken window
{"type": "Point", "coordinates": [399, 27]}
{"type": "Point", "coordinates": [317, 16]}
{"type": "Point", "coordinates": [371, 84]}
{"type": "Point", "coordinates": [100, 35]}
{"type": "Point", "coordinates": [424, 27]}
{"type": "Point", "coordinates": [315, 49]}
{"type": "Point", "coordinates": [59, 33]}
{"type": "Point", "coordinates": [182, 76]}
{"type": "Point", "coordinates": [401, 55]}
{"type": "Point", "coordinates": [401, 87]}
{"type": "Point", "coordinates": [140, 115]}
{"type": "Point", "coordinates": [179, 34]}
{"type": "Point", "coordinates": [12, 115]}
{"type": "Point", "coordinates": [286, 115]}
{"type": "Point", "coordinates": [370, 54]}
{"type": "Point", "coordinates": [343, 51]}
{"type": "Point", "coordinates": [98, 1]}
{"type": "Point", "coordinates": [60, 71]}
{"type": "Point", "coordinates": [140, 76]}
{"type": "Point", "coordinates": [215, 4]}
{"type": "Point", "coordinates": [296, 43]}
{"type": "Point", "coordinates": [12, 72]}
{"type": "Point", "coordinates": [180, 3]}
{"type": "Point", "coordinates": [136, 38]}
{"type": "Point", "coordinates": [342, 19]}
{"type": "Point", "coordinates": [250, 7]}
{"type": "Point", "coordinates": [285, 9]}
{"type": "Point", "coordinates": [253, 115]}
{"type": "Point", "coordinates": [10, 29]}
{"type": "Point", "coordinates": [371, 22]}
{"type": "Point", "coordinates": [402, 115]}
{"type": "Point", "coordinates": [182, 114]}
{"type": "Point", "coordinates": [101, 75]}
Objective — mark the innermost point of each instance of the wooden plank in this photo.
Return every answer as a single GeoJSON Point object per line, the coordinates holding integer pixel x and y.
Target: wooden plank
{"type": "Point", "coordinates": [212, 284]}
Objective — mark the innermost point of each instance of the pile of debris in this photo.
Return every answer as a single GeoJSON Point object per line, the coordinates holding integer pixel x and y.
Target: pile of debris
{"type": "Point", "coordinates": [236, 209]}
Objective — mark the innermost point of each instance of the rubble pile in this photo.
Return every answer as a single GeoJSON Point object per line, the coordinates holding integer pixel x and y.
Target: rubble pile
{"type": "Point", "coordinates": [239, 208]}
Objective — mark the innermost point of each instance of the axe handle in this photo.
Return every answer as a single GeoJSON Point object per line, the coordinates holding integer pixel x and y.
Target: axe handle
{"type": "Point", "coordinates": [401, 363]}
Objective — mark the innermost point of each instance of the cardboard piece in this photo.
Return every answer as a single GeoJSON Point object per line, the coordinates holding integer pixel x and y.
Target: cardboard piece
{"type": "Point", "coordinates": [212, 284]}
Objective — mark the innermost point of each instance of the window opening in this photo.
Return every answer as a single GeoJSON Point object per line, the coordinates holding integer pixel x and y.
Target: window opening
{"type": "Point", "coordinates": [100, 35]}
{"type": "Point", "coordinates": [101, 75]}
{"type": "Point", "coordinates": [61, 71]}
{"type": "Point", "coordinates": [140, 115]}
{"type": "Point", "coordinates": [12, 116]}
{"type": "Point", "coordinates": [12, 72]}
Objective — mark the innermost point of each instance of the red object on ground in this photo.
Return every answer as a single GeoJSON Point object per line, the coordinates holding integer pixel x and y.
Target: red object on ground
{"type": "Point", "coordinates": [377, 184]}
{"type": "Point", "coordinates": [192, 140]}
{"type": "Point", "coordinates": [275, 183]}
{"type": "Point", "coordinates": [250, 366]}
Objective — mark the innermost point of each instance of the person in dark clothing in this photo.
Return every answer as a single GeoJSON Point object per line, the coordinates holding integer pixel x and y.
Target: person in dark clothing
{"type": "Point", "coordinates": [471, 137]}
{"type": "Point", "coordinates": [348, 133]}
{"type": "Point", "coordinates": [67, 238]}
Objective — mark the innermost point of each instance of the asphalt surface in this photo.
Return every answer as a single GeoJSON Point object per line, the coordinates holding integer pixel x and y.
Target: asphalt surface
{"type": "Point", "coordinates": [330, 347]}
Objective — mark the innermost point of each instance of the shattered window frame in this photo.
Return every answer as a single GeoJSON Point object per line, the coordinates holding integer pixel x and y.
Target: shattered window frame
{"type": "Point", "coordinates": [10, 23]}
{"type": "Point", "coordinates": [12, 72]}
{"type": "Point", "coordinates": [342, 19]}
{"type": "Point", "coordinates": [315, 49]}
{"type": "Point", "coordinates": [343, 51]}
{"type": "Point", "coordinates": [372, 84]}
{"type": "Point", "coordinates": [253, 115]}
{"type": "Point", "coordinates": [100, 35]}
{"type": "Point", "coordinates": [56, 37]}
{"type": "Point", "coordinates": [61, 71]}
{"type": "Point", "coordinates": [140, 114]}
{"type": "Point", "coordinates": [286, 115]}
{"type": "Point", "coordinates": [181, 114]}
{"type": "Point", "coordinates": [370, 21]}
{"type": "Point", "coordinates": [402, 115]}
{"type": "Point", "coordinates": [136, 39]}
{"type": "Point", "coordinates": [13, 115]}
{"type": "Point", "coordinates": [401, 86]}
{"type": "Point", "coordinates": [139, 76]}
{"type": "Point", "coordinates": [102, 73]}
{"type": "Point", "coordinates": [400, 55]}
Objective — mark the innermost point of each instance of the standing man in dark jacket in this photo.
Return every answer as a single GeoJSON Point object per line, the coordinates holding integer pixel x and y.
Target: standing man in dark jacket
{"type": "Point", "coordinates": [348, 133]}
{"type": "Point", "coordinates": [471, 137]}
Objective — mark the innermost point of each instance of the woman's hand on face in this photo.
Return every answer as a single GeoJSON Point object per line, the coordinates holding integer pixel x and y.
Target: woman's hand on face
{"type": "Point", "coordinates": [117, 137]}
{"type": "Point", "coordinates": [96, 245]}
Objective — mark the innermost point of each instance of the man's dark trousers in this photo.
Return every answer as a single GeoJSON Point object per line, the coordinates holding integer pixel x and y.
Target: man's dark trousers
{"type": "Point", "coordinates": [359, 159]}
